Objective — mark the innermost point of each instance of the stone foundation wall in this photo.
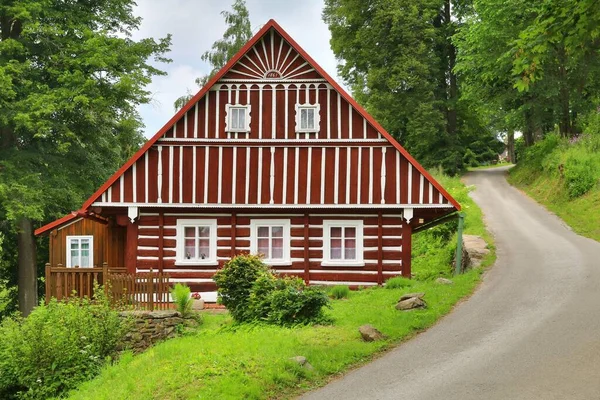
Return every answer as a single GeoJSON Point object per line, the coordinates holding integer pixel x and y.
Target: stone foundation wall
{"type": "Point", "coordinates": [149, 327]}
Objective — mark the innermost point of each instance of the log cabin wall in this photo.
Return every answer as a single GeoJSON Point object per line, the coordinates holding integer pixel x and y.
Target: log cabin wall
{"type": "Point", "coordinates": [383, 258]}
{"type": "Point", "coordinates": [108, 245]}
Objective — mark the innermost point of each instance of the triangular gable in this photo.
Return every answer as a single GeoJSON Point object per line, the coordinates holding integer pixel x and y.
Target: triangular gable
{"type": "Point", "coordinates": [269, 58]}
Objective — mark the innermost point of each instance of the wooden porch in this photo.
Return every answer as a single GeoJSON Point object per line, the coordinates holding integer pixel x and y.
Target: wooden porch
{"type": "Point", "coordinates": [148, 290]}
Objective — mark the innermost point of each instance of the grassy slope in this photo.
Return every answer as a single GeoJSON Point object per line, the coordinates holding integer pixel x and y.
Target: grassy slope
{"type": "Point", "coordinates": [223, 361]}
{"type": "Point", "coordinates": [543, 182]}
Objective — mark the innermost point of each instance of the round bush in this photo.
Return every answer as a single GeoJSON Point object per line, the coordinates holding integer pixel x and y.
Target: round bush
{"type": "Point", "coordinates": [251, 292]}
{"type": "Point", "coordinates": [235, 281]}
{"type": "Point", "coordinates": [287, 301]}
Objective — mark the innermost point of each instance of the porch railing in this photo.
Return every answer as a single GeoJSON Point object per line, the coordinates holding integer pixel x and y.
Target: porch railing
{"type": "Point", "coordinates": [149, 290]}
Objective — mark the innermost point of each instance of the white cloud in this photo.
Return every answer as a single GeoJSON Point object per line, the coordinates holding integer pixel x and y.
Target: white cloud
{"type": "Point", "coordinates": [195, 25]}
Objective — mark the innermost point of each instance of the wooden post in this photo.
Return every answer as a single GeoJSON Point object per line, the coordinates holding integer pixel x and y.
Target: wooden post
{"type": "Point", "coordinates": [48, 282]}
{"type": "Point", "coordinates": [459, 245]}
{"type": "Point", "coordinates": [161, 240]}
{"type": "Point", "coordinates": [131, 245]}
{"type": "Point", "coordinates": [306, 249]}
{"type": "Point", "coordinates": [59, 286]}
{"type": "Point", "coordinates": [105, 277]}
{"type": "Point", "coordinates": [151, 290]}
{"type": "Point", "coordinates": [233, 233]}
{"type": "Point", "coordinates": [406, 248]}
{"type": "Point", "coordinates": [380, 248]}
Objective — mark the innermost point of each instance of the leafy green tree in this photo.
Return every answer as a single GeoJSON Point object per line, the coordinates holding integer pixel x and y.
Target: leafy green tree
{"type": "Point", "coordinates": [531, 65]}
{"type": "Point", "coordinates": [238, 32]}
{"type": "Point", "coordinates": [398, 59]}
{"type": "Point", "coordinates": [561, 45]}
{"type": "Point", "coordinates": [71, 78]}
{"type": "Point", "coordinates": [484, 62]}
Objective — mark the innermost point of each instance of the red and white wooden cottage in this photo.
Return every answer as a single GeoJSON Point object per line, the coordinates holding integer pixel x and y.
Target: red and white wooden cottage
{"type": "Point", "coordinates": [272, 157]}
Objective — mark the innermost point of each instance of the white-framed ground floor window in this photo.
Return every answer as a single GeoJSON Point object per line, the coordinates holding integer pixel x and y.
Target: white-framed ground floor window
{"type": "Point", "coordinates": [196, 241]}
{"type": "Point", "coordinates": [80, 251]}
{"type": "Point", "coordinates": [343, 243]}
{"type": "Point", "coordinates": [271, 239]}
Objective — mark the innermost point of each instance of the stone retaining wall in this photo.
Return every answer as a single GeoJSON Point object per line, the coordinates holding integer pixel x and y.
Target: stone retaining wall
{"type": "Point", "coordinates": [149, 327]}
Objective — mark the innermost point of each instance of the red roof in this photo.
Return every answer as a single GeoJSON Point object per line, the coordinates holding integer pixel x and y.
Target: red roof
{"type": "Point", "coordinates": [57, 223]}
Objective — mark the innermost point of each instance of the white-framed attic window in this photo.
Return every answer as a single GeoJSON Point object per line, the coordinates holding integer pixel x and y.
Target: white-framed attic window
{"type": "Point", "coordinates": [271, 239]}
{"type": "Point", "coordinates": [237, 118]}
{"type": "Point", "coordinates": [343, 243]}
{"type": "Point", "coordinates": [196, 242]}
{"type": "Point", "coordinates": [80, 251]}
{"type": "Point", "coordinates": [308, 118]}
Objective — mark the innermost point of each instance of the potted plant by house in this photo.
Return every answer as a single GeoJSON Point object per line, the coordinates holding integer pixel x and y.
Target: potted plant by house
{"type": "Point", "coordinates": [198, 302]}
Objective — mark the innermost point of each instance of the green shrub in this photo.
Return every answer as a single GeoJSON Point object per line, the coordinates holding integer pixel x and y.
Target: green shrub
{"type": "Point", "coordinates": [182, 298]}
{"type": "Point", "coordinates": [56, 347]}
{"type": "Point", "coordinates": [235, 281]}
{"type": "Point", "coordinates": [580, 175]}
{"type": "Point", "coordinates": [536, 154]}
{"type": "Point", "coordinates": [286, 301]}
{"type": "Point", "coordinates": [259, 303]}
{"type": "Point", "coordinates": [470, 158]}
{"type": "Point", "coordinates": [251, 292]}
{"type": "Point", "coordinates": [7, 298]}
{"type": "Point", "coordinates": [398, 282]}
{"type": "Point", "coordinates": [339, 292]}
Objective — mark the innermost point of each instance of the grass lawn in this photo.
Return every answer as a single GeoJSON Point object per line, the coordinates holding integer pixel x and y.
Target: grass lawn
{"type": "Point", "coordinates": [227, 361]}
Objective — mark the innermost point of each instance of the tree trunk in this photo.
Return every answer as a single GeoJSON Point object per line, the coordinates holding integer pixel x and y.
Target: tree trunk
{"type": "Point", "coordinates": [529, 128]}
{"type": "Point", "coordinates": [564, 124]}
{"type": "Point", "coordinates": [27, 272]}
{"type": "Point", "coordinates": [510, 146]}
{"type": "Point", "coordinates": [453, 86]}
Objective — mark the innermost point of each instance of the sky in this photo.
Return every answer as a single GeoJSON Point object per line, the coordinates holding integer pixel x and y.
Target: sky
{"type": "Point", "coordinates": [196, 24]}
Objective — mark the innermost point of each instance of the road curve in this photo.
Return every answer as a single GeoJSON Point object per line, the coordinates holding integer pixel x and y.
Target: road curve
{"type": "Point", "coordinates": [530, 331]}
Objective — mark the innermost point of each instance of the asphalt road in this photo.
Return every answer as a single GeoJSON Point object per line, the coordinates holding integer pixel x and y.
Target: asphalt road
{"type": "Point", "coordinates": [531, 330]}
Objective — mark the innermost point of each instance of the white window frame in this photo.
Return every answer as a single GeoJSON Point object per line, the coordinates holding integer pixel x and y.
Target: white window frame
{"type": "Point", "coordinates": [79, 237]}
{"type": "Point", "coordinates": [327, 225]}
{"type": "Point", "coordinates": [256, 223]}
{"type": "Point", "coordinates": [180, 241]}
{"type": "Point", "coordinates": [317, 109]}
{"type": "Point", "coordinates": [228, 115]}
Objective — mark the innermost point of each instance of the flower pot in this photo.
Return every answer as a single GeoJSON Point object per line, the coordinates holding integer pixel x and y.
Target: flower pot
{"type": "Point", "coordinates": [198, 304]}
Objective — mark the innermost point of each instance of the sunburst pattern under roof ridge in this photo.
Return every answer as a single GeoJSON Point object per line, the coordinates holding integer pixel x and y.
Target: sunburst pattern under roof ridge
{"type": "Point", "coordinates": [272, 57]}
